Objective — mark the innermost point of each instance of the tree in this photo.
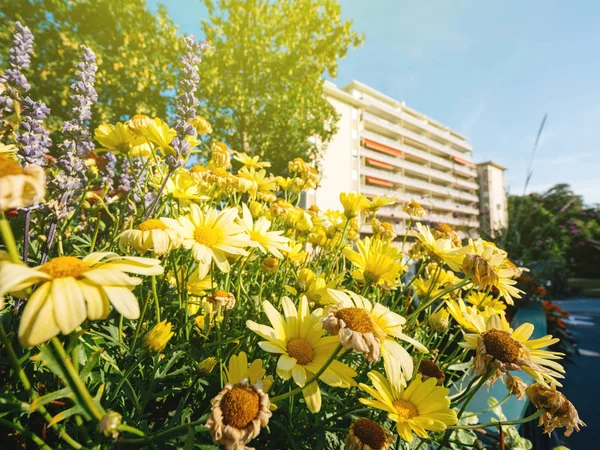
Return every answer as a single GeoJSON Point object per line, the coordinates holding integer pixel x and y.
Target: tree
{"type": "Point", "coordinates": [137, 53]}
{"type": "Point", "coordinates": [262, 83]}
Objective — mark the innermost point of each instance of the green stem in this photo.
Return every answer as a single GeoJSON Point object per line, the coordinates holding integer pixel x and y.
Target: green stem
{"type": "Point", "coordinates": [312, 379]}
{"type": "Point", "coordinates": [161, 434]}
{"type": "Point", "coordinates": [500, 403]}
{"type": "Point", "coordinates": [131, 430]}
{"type": "Point", "coordinates": [140, 323]}
{"type": "Point", "coordinates": [9, 239]}
{"type": "Point", "coordinates": [80, 390]}
{"type": "Point", "coordinates": [156, 302]}
{"type": "Point", "coordinates": [495, 424]}
{"type": "Point", "coordinates": [437, 297]}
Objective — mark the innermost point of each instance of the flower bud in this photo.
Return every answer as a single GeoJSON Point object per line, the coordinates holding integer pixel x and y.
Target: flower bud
{"type": "Point", "coordinates": [270, 265]}
{"type": "Point", "coordinates": [439, 320]}
{"type": "Point", "coordinates": [207, 365]}
{"type": "Point", "coordinates": [224, 299]}
{"type": "Point", "coordinates": [220, 157]}
{"type": "Point", "coordinates": [109, 424]}
{"type": "Point", "coordinates": [157, 338]}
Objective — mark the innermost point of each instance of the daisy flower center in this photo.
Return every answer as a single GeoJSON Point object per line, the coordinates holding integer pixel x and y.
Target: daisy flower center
{"type": "Point", "coordinates": [370, 433]}
{"type": "Point", "coordinates": [301, 350]}
{"type": "Point", "coordinates": [357, 319]}
{"type": "Point", "coordinates": [240, 406]}
{"type": "Point", "coordinates": [256, 236]}
{"type": "Point", "coordinates": [9, 167]}
{"type": "Point", "coordinates": [406, 410]}
{"type": "Point", "coordinates": [206, 236]}
{"type": "Point", "coordinates": [152, 224]}
{"type": "Point", "coordinates": [65, 266]}
{"type": "Point", "coordinates": [500, 345]}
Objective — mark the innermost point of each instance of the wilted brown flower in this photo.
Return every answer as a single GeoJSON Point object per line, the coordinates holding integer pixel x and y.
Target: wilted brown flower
{"type": "Point", "coordinates": [364, 434]}
{"type": "Point", "coordinates": [559, 412]}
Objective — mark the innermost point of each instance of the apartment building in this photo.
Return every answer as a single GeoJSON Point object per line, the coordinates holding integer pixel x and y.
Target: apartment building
{"type": "Point", "coordinates": [384, 147]}
{"type": "Point", "coordinates": [492, 197]}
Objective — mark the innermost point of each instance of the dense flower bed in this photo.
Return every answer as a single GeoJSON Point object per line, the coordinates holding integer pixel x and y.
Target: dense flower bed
{"type": "Point", "coordinates": [160, 289]}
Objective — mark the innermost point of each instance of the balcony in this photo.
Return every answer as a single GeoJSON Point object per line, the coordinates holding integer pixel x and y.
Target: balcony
{"type": "Point", "coordinates": [397, 129]}
{"type": "Point", "coordinates": [421, 123]}
{"type": "Point", "coordinates": [397, 213]}
{"type": "Point", "coordinates": [418, 168]}
{"type": "Point", "coordinates": [418, 184]}
{"type": "Point", "coordinates": [420, 154]}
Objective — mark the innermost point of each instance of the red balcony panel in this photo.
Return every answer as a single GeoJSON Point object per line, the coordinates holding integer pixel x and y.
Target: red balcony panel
{"type": "Point", "coordinates": [464, 162]}
{"type": "Point", "coordinates": [381, 164]}
{"type": "Point", "coordinates": [379, 182]}
{"type": "Point", "coordinates": [382, 148]}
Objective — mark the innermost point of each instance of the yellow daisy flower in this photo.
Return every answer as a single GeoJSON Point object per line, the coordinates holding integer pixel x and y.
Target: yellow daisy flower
{"type": "Point", "coordinates": [20, 186]}
{"type": "Point", "coordinates": [211, 235]}
{"type": "Point", "coordinates": [263, 185]}
{"type": "Point", "coordinates": [238, 370]}
{"type": "Point", "coordinates": [503, 349]}
{"type": "Point", "coordinates": [443, 248]}
{"type": "Point", "coordinates": [489, 267]}
{"type": "Point", "coordinates": [153, 235]}
{"type": "Point", "coordinates": [467, 316]}
{"type": "Point", "coordinates": [486, 302]}
{"type": "Point", "coordinates": [418, 408]}
{"type": "Point", "coordinates": [379, 201]}
{"type": "Point", "coordinates": [353, 203]}
{"type": "Point", "coordinates": [414, 209]}
{"type": "Point", "coordinates": [297, 337]}
{"type": "Point", "coordinates": [377, 262]}
{"type": "Point", "coordinates": [158, 133]}
{"type": "Point", "coordinates": [260, 236]}
{"type": "Point", "coordinates": [372, 329]}
{"type": "Point", "coordinates": [117, 138]}
{"type": "Point", "coordinates": [71, 290]}
{"type": "Point", "coordinates": [250, 161]}
{"type": "Point", "coordinates": [201, 125]}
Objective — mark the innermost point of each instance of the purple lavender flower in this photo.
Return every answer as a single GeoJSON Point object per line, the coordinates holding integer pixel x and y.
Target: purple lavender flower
{"type": "Point", "coordinates": [186, 100]}
{"type": "Point", "coordinates": [33, 137]}
{"type": "Point", "coordinates": [109, 170]}
{"type": "Point", "coordinates": [19, 59]}
{"type": "Point", "coordinates": [78, 140]}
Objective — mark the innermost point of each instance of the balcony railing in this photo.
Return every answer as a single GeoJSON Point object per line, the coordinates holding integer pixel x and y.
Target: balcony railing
{"type": "Point", "coordinates": [443, 162]}
{"type": "Point", "coordinates": [423, 124]}
{"type": "Point", "coordinates": [412, 135]}
{"type": "Point", "coordinates": [418, 168]}
{"type": "Point", "coordinates": [418, 184]}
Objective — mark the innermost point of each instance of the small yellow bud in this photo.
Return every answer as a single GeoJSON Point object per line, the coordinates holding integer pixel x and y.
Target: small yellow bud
{"type": "Point", "coordinates": [439, 320]}
{"type": "Point", "coordinates": [157, 338]}
{"type": "Point", "coordinates": [207, 365]}
{"type": "Point", "coordinates": [220, 157]}
{"type": "Point", "coordinates": [201, 125]}
{"type": "Point", "coordinates": [270, 265]}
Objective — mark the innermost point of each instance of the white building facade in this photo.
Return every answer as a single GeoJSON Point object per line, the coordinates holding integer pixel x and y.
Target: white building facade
{"type": "Point", "coordinates": [383, 147]}
{"type": "Point", "coordinates": [492, 197]}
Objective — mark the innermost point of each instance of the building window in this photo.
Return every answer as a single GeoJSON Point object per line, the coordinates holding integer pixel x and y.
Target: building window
{"type": "Point", "coordinates": [354, 114]}
{"type": "Point", "coordinates": [354, 134]}
{"type": "Point", "coordinates": [354, 175]}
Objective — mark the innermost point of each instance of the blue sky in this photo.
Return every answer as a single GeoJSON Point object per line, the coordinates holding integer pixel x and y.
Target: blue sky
{"type": "Point", "coordinates": [489, 69]}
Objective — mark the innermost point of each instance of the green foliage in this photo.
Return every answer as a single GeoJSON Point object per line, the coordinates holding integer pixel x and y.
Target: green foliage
{"type": "Point", "coordinates": [557, 227]}
{"type": "Point", "coordinates": [263, 81]}
{"type": "Point", "coordinates": [136, 51]}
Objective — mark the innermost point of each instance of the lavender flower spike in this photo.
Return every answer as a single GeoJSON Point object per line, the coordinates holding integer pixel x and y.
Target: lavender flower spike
{"type": "Point", "coordinates": [78, 140]}
{"type": "Point", "coordinates": [18, 60]}
{"type": "Point", "coordinates": [33, 137]}
{"type": "Point", "coordinates": [186, 100]}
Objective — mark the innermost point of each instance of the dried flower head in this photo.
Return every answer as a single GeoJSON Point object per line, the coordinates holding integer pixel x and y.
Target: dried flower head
{"type": "Point", "coordinates": [429, 369]}
{"type": "Point", "coordinates": [238, 413]}
{"type": "Point", "coordinates": [364, 434]}
{"type": "Point", "coordinates": [223, 299]}
{"type": "Point", "coordinates": [559, 412]}
{"type": "Point", "coordinates": [414, 209]}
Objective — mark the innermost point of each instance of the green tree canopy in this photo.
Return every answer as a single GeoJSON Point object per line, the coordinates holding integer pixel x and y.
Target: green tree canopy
{"type": "Point", "coordinates": [263, 81]}
{"type": "Point", "coordinates": [136, 49]}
